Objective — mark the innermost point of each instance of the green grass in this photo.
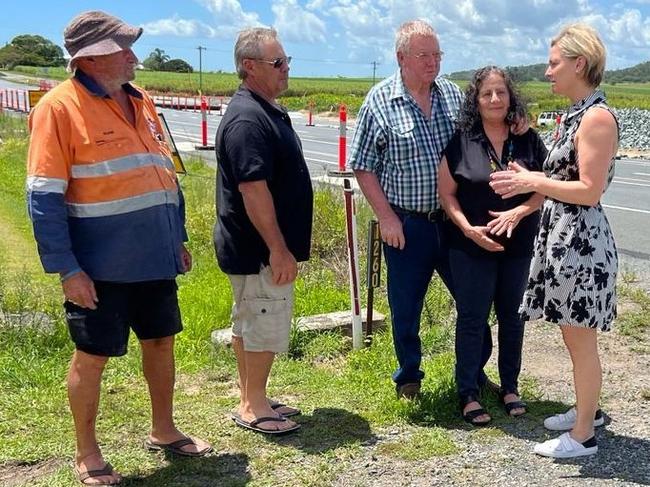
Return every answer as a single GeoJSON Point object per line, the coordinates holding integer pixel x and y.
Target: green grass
{"type": "Point", "coordinates": [328, 93]}
{"type": "Point", "coordinates": [345, 395]}
{"type": "Point", "coordinates": [636, 321]}
{"type": "Point", "coordinates": [424, 443]}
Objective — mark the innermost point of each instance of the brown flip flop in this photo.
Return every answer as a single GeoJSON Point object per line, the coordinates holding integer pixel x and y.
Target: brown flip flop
{"type": "Point", "coordinates": [176, 447]}
{"type": "Point", "coordinates": [92, 474]}
{"type": "Point", "coordinates": [254, 425]}
{"type": "Point", "coordinates": [292, 411]}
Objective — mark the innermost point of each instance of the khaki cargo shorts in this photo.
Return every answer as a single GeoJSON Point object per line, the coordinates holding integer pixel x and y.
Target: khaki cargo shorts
{"type": "Point", "coordinates": [262, 311]}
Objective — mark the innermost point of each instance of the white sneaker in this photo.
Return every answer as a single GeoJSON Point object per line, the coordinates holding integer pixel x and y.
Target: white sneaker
{"type": "Point", "coordinates": [565, 421]}
{"type": "Point", "coordinates": [566, 447]}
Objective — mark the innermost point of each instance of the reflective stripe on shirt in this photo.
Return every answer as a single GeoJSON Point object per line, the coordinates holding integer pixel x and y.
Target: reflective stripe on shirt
{"type": "Point", "coordinates": [47, 185]}
{"type": "Point", "coordinates": [126, 205]}
{"type": "Point", "coordinates": [121, 164]}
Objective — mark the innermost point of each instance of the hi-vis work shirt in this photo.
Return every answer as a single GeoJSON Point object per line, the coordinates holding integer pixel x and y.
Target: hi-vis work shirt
{"type": "Point", "coordinates": [102, 194]}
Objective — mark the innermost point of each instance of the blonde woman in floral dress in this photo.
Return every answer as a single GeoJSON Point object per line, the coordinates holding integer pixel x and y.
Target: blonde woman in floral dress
{"type": "Point", "coordinates": [572, 279]}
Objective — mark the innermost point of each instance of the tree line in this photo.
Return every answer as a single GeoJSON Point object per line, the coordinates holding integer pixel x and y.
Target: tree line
{"type": "Point", "coordinates": [639, 73]}
{"type": "Point", "coordinates": [34, 50]}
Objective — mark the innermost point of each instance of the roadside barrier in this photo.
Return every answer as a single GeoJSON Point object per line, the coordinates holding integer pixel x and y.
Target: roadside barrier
{"type": "Point", "coordinates": [310, 119]}
{"type": "Point", "coordinates": [16, 100]}
{"type": "Point", "coordinates": [189, 103]}
{"type": "Point", "coordinates": [204, 126]}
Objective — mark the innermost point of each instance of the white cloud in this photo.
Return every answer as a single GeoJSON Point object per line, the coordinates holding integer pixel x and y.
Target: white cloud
{"type": "Point", "coordinates": [472, 32]}
{"type": "Point", "coordinates": [230, 13]}
{"type": "Point", "coordinates": [179, 27]}
{"type": "Point", "coordinates": [228, 19]}
{"type": "Point", "coordinates": [295, 24]}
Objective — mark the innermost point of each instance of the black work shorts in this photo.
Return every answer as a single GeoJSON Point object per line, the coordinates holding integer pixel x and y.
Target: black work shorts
{"type": "Point", "coordinates": [150, 308]}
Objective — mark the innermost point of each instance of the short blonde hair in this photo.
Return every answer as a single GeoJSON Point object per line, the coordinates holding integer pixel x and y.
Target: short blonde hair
{"type": "Point", "coordinates": [576, 40]}
{"type": "Point", "coordinates": [410, 29]}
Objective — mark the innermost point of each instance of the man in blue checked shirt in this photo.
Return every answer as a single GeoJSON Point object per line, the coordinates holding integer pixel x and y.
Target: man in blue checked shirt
{"type": "Point", "coordinates": [403, 126]}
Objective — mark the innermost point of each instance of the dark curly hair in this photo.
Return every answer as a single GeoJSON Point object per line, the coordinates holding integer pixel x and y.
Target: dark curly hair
{"type": "Point", "coordinates": [470, 118]}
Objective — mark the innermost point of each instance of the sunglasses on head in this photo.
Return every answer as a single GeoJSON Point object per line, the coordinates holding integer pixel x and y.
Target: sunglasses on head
{"type": "Point", "coordinates": [278, 62]}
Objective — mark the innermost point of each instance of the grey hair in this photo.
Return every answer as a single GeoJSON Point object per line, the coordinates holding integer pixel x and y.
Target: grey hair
{"type": "Point", "coordinates": [249, 46]}
{"type": "Point", "coordinates": [410, 29]}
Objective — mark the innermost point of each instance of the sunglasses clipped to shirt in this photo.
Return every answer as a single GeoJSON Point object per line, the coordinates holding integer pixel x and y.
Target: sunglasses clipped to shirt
{"type": "Point", "coordinates": [278, 62]}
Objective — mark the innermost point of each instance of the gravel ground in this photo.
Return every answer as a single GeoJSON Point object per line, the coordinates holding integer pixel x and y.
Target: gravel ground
{"type": "Point", "coordinates": [503, 454]}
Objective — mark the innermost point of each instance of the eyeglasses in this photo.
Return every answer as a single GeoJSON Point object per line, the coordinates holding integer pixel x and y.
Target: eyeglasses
{"type": "Point", "coordinates": [425, 56]}
{"type": "Point", "coordinates": [278, 62]}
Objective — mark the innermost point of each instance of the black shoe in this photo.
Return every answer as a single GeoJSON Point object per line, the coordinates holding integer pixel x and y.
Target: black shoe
{"type": "Point", "coordinates": [510, 406]}
{"type": "Point", "coordinates": [410, 390]}
{"type": "Point", "coordinates": [470, 416]}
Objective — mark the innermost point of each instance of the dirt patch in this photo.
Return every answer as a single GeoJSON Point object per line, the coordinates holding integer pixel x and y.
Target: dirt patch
{"type": "Point", "coordinates": [507, 458]}
{"type": "Point", "coordinates": [19, 473]}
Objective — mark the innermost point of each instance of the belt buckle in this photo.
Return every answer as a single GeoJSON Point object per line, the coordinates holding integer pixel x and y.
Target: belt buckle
{"type": "Point", "coordinates": [432, 216]}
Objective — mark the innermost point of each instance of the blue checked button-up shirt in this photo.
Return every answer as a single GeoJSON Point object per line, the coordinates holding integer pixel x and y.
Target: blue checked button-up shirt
{"type": "Point", "coordinates": [395, 140]}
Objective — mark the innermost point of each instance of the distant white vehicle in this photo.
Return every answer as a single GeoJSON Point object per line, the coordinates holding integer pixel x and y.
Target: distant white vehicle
{"type": "Point", "coordinates": [548, 119]}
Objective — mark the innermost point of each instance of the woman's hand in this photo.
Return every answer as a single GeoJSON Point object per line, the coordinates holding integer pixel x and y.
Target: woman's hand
{"type": "Point", "coordinates": [481, 237]}
{"type": "Point", "coordinates": [505, 221]}
{"type": "Point", "coordinates": [516, 180]}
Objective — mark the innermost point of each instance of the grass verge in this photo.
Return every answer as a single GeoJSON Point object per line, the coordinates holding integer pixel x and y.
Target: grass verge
{"type": "Point", "coordinates": [345, 395]}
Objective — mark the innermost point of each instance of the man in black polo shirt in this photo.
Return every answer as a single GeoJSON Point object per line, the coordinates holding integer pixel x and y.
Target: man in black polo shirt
{"type": "Point", "coordinates": [264, 214]}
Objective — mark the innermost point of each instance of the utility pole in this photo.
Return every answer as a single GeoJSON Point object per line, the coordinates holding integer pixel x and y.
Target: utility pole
{"type": "Point", "coordinates": [374, 69]}
{"type": "Point", "coordinates": [201, 49]}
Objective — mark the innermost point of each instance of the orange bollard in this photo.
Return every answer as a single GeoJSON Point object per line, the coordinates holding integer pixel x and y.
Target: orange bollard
{"type": "Point", "coordinates": [343, 121]}
{"type": "Point", "coordinates": [204, 127]}
{"type": "Point", "coordinates": [310, 120]}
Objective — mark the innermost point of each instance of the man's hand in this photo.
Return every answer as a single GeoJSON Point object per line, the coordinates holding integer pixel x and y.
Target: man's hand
{"type": "Point", "coordinates": [391, 230]}
{"type": "Point", "coordinates": [284, 267]}
{"type": "Point", "coordinates": [186, 259]}
{"type": "Point", "coordinates": [481, 237]}
{"type": "Point", "coordinates": [80, 290]}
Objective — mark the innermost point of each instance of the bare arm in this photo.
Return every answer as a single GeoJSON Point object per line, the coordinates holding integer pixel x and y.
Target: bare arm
{"type": "Point", "coordinates": [389, 224]}
{"type": "Point", "coordinates": [596, 143]}
{"type": "Point", "coordinates": [261, 212]}
{"type": "Point", "coordinates": [447, 188]}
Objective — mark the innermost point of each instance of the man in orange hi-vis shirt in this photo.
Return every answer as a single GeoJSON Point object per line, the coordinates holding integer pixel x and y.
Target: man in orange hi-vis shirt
{"type": "Point", "coordinates": [108, 217]}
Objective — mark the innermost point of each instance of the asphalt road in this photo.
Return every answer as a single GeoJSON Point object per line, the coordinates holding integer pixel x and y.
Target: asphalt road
{"type": "Point", "coordinates": [627, 201]}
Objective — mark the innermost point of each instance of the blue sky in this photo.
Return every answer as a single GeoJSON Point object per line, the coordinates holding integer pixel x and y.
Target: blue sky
{"type": "Point", "coordinates": [344, 37]}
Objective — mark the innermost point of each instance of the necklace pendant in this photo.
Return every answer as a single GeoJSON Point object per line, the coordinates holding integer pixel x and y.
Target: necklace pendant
{"type": "Point", "coordinates": [493, 165]}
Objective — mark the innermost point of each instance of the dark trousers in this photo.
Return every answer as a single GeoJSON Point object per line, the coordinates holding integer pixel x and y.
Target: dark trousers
{"type": "Point", "coordinates": [479, 282]}
{"type": "Point", "coordinates": [408, 274]}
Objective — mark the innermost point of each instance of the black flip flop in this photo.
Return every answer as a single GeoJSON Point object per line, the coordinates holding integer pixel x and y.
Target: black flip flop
{"type": "Point", "coordinates": [254, 425]}
{"type": "Point", "coordinates": [176, 447]}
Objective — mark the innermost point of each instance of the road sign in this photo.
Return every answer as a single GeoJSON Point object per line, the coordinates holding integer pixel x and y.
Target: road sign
{"type": "Point", "coordinates": [176, 157]}
{"type": "Point", "coordinates": [34, 97]}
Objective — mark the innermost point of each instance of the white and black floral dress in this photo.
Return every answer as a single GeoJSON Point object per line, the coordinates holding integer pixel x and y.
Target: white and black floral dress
{"type": "Point", "coordinates": [572, 279]}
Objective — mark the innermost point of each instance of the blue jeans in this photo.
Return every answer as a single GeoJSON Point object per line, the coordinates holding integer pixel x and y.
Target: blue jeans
{"type": "Point", "coordinates": [479, 282]}
{"type": "Point", "coordinates": [409, 272]}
